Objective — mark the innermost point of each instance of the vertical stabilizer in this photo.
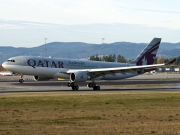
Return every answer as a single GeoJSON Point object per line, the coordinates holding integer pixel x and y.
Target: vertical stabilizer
{"type": "Point", "coordinates": [147, 56]}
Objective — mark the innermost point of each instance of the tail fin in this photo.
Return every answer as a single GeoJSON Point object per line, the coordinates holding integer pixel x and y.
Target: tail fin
{"type": "Point", "coordinates": [147, 56]}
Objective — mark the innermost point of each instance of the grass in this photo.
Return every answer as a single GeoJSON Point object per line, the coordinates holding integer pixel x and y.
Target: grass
{"type": "Point", "coordinates": [152, 113]}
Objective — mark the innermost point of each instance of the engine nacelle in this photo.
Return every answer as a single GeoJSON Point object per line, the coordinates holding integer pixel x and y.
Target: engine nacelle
{"type": "Point", "coordinates": [42, 78]}
{"type": "Point", "coordinates": [79, 77]}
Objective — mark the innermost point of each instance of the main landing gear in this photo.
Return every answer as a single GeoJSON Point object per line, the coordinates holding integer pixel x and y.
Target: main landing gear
{"type": "Point", "coordinates": [21, 80]}
{"type": "Point", "coordinates": [94, 86]}
{"type": "Point", "coordinates": [73, 86]}
{"type": "Point", "coordinates": [90, 85]}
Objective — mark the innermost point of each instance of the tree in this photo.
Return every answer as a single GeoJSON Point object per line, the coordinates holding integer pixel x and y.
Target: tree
{"type": "Point", "coordinates": [109, 58]}
{"type": "Point", "coordinates": [160, 60]}
{"type": "Point", "coordinates": [95, 58]}
{"type": "Point", "coordinates": [177, 62]}
{"type": "Point", "coordinates": [121, 59]}
{"type": "Point", "coordinates": [114, 57]}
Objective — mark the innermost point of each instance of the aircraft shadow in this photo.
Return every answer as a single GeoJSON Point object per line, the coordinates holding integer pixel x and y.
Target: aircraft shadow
{"type": "Point", "coordinates": [104, 83]}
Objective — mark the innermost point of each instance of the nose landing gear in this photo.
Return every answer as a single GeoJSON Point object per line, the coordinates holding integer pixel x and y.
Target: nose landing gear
{"type": "Point", "coordinates": [21, 80]}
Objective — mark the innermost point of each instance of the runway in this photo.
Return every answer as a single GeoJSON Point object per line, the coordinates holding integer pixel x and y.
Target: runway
{"type": "Point", "coordinates": [142, 83]}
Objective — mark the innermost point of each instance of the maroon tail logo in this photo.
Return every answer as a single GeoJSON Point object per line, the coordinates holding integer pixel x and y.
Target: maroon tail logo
{"type": "Point", "coordinates": [148, 57]}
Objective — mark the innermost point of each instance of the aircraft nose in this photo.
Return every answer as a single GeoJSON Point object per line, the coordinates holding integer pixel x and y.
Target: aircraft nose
{"type": "Point", "coordinates": [4, 64]}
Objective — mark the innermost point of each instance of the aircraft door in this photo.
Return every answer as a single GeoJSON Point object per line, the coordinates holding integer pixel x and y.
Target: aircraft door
{"type": "Point", "coordinates": [24, 61]}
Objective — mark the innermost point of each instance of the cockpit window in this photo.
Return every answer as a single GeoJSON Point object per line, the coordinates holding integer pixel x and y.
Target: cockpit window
{"type": "Point", "coordinates": [11, 60]}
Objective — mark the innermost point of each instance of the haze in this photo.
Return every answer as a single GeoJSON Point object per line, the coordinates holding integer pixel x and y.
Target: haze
{"type": "Point", "coordinates": [25, 23]}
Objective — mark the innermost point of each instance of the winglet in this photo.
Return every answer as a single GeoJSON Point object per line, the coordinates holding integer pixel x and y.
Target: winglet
{"type": "Point", "coordinates": [171, 62]}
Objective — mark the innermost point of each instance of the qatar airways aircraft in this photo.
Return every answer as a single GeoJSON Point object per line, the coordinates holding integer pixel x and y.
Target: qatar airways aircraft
{"type": "Point", "coordinates": [43, 68]}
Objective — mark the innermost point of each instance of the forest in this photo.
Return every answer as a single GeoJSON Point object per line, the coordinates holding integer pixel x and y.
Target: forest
{"type": "Point", "coordinates": [122, 59]}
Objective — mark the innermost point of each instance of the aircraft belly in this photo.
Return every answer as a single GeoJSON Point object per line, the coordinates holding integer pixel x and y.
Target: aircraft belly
{"type": "Point", "coordinates": [27, 70]}
{"type": "Point", "coordinates": [117, 76]}
{"type": "Point", "coordinates": [41, 71]}
{"type": "Point", "coordinates": [61, 75]}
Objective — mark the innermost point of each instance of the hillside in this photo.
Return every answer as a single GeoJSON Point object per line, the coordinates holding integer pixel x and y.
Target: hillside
{"type": "Point", "coordinates": [78, 50]}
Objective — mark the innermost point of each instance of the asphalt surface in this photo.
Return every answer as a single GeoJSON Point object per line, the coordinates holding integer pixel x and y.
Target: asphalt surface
{"type": "Point", "coordinates": [143, 83]}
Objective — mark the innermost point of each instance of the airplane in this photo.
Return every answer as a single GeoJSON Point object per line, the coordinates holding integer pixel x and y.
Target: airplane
{"type": "Point", "coordinates": [43, 68]}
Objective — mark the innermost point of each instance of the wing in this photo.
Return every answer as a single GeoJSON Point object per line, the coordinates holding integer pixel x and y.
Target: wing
{"type": "Point", "coordinates": [103, 71]}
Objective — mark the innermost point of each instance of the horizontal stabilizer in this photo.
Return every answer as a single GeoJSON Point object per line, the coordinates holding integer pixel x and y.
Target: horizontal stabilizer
{"type": "Point", "coordinates": [171, 62]}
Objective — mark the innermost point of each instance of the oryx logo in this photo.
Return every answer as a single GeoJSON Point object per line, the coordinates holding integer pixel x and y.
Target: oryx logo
{"type": "Point", "coordinates": [144, 61]}
{"type": "Point", "coordinates": [148, 57]}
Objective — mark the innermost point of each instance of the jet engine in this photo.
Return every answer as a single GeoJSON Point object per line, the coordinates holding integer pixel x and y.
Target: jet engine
{"type": "Point", "coordinates": [79, 77]}
{"type": "Point", "coordinates": [42, 78]}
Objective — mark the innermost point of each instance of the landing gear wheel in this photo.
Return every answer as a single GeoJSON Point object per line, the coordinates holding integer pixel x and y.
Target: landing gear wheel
{"type": "Point", "coordinates": [75, 87]}
{"type": "Point", "coordinates": [70, 84]}
{"type": "Point", "coordinates": [91, 85]}
{"type": "Point", "coordinates": [96, 88]}
{"type": "Point", "coordinates": [21, 80]}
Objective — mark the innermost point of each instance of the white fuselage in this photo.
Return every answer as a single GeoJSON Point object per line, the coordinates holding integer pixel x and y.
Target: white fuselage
{"type": "Point", "coordinates": [51, 67]}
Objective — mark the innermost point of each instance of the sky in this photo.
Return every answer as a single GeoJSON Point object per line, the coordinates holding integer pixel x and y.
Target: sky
{"type": "Point", "coordinates": [26, 23]}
